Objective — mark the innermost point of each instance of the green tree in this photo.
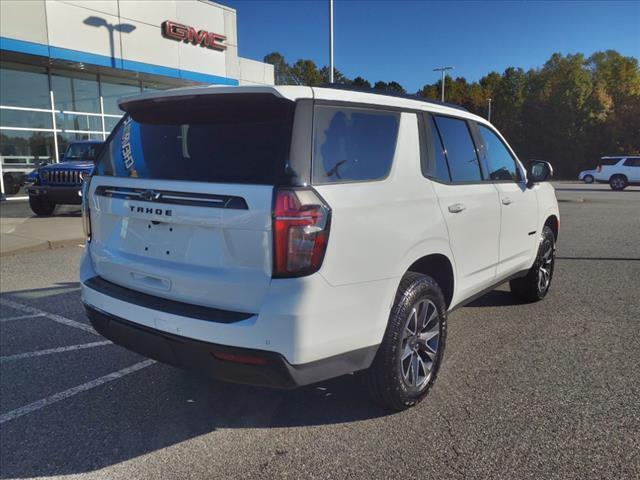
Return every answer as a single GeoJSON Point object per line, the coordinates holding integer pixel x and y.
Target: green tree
{"type": "Point", "coordinates": [360, 82]}
{"type": "Point", "coordinates": [281, 69]}
{"type": "Point", "coordinates": [305, 72]}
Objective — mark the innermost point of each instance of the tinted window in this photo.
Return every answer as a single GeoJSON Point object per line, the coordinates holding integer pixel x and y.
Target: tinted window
{"type": "Point", "coordinates": [459, 148]}
{"type": "Point", "coordinates": [436, 164]}
{"type": "Point", "coordinates": [632, 162]}
{"type": "Point", "coordinates": [352, 144]}
{"type": "Point", "coordinates": [242, 138]}
{"type": "Point", "coordinates": [609, 161]}
{"type": "Point", "coordinates": [496, 158]}
{"type": "Point", "coordinates": [81, 152]}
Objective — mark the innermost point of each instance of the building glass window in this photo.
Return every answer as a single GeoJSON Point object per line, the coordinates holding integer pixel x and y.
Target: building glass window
{"type": "Point", "coordinates": [75, 91]}
{"type": "Point", "coordinates": [72, 121]}
{"type": "Point", "coordinates": [23, 119]}
{"type": "Point", "coordinates": [24, 86]}
{"type": "Point", "coordinates": [114, 89]}
{"type": "Point", "coordinates": [21, 152]}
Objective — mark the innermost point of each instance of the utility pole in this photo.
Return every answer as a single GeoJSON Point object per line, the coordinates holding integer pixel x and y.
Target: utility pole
{"type": "Point", "coordinates": [443, 70]}
{"type": "Point", "coordinates": [489, 112]}
{"type": "Point", "coordinates": [330, 41]}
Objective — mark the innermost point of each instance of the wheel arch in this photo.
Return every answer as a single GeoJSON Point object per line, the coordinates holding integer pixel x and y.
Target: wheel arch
{"type": "Point", "coordinates": [553, 223]}
{"type": "Point", "coordinates": [618, 174]}
{"type": "Point", "coordinates": [440, 268]}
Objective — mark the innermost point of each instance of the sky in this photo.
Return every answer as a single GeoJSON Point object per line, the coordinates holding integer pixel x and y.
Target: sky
{"type": "Point", "coordinates": [404, 40]}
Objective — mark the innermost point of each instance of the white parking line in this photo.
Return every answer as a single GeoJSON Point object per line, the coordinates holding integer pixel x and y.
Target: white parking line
{"type": "Point", "coordinates": [32, 407]}
{"type": "Point", "coordinates": [39, 353]}
{"type": "Point", "coordinates": [21, 317]}
{"type": "Point", "coordinates": [51, 316]}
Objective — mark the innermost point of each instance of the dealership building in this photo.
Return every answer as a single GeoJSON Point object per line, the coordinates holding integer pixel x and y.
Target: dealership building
{"type": "Point", "coordinates": [64, 65]}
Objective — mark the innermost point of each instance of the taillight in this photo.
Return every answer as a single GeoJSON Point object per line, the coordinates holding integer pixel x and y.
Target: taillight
{"type": "Point", "coordinates": [599, 168]}
{"type": "Point", "coordinates": [301, 221]}
{"type": "Point", "coordinates": [86, 211]}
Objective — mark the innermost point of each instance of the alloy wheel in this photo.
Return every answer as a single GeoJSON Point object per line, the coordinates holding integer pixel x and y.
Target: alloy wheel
{"type": "Point", "coordinates": [617, 182]}
{"type": "Point", "coordinates": [545, 270]}
{"type": "Point", "coordinates": [420, 343]}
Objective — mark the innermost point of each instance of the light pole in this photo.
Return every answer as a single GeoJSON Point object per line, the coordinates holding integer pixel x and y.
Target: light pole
{"type": "Point", "coordinates": [442, 69]}
{"type": "Point", "coordinates": [330, 41]}
{"type": "Point", "coordinates": [489, 112]}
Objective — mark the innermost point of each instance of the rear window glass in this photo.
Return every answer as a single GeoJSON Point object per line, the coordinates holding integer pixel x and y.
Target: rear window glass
{"type": "Point", "coordinates": [436, 165]}
{"type": "Point", "coordinates": [234, 138]}
{"type": "Point", "coordinates": [353, 144]}
{"type": "Point", "coordinates": [460, 149]}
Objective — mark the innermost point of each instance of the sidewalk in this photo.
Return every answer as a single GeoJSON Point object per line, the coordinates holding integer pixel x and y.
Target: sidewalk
{"type": "Point", "coordinates": [22, 232]}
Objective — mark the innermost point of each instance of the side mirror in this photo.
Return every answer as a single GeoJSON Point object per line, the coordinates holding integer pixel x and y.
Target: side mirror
{"type": "Point", "coordinates": [538, 171]}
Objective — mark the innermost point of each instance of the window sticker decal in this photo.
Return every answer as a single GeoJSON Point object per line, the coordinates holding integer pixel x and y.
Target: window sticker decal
{"type": "Point", "coordinates": [125, 147]}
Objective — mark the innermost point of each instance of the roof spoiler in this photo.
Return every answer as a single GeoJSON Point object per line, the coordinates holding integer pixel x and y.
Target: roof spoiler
{"type": "Point", "coordinates": [387, 93]}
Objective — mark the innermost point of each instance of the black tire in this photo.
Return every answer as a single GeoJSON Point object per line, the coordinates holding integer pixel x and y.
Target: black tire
{"type": "Point", "coordinates": [11, 184]}
{"type": "Point", "coordinates": [531, 287]}
{"type": "Point", "coordinates": [618, 182]}
{"type": "Point", "coordinates": [588, 179]}
{"type": "Point", "coordinates": [41, 206]}
{"type": "Point", "coordinates": [387, 381]}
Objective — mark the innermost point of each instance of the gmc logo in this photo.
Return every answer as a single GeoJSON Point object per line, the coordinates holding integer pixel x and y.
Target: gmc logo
{"type": "Point", "coordinates": [184, 33]}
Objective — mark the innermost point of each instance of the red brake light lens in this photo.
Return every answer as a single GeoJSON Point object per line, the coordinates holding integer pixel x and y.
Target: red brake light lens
{"type": "Point", "coordinates": [599, 168]}
{"type": "Point", "coordinates": [301, 221]}
{"type": "Point", "coordinates": [86, 211]}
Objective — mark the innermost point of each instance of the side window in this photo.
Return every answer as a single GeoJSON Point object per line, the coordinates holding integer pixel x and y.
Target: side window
{"type": "Point", "coordinates": [434, 162]}
{"type": "Point", "coordinates": [494, 154]}
{"type": "Point", "coordinates": [459, 148]}
{"type": "Point", "coordinates": [353, 144]}
{"type": "Point", "coordinates": [632, 162]}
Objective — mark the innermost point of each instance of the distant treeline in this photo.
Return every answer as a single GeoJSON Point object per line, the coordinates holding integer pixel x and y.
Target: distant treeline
{"type": "Point", "coordinates": [571, 111]}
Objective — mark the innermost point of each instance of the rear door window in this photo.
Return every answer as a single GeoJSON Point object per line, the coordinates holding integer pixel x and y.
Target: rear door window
{"type": "Point", "coordinates": [632, 162]}
{"type": "Point", "coordinates": [353, 144]}
{"type": "Point", "coordinates": [459, 148]}
{"type": "Point", "coordinates": [435, 164]}
{"type": "Point", "coordinates": [224, 138]}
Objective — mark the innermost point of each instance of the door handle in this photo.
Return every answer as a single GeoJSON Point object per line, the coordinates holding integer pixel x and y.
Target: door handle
{"type": "Point", "coordinates": [457, 207]}
{"type": "Point", "coordinates": [506, 201]}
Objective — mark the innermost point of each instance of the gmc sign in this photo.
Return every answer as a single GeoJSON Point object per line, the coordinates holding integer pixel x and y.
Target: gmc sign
{"type": "Point", "coordinates": [187, 34]}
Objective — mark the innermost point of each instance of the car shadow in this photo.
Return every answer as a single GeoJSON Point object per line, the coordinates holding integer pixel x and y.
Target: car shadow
{"type": "Point", "coordinates": [151, 409]}
{"type": "Point", "coordinates": [495, 298]}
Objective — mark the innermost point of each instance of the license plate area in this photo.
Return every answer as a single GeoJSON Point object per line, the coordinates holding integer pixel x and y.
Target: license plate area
{"type": "Point", "coordinates": [160, 240]}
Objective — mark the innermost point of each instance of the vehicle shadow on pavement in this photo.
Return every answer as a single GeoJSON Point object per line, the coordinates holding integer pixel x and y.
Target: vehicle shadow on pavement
{"type": "Point", "coordinates": [495, 298]}
{"type": "Point", "coordinates": [151, 409]}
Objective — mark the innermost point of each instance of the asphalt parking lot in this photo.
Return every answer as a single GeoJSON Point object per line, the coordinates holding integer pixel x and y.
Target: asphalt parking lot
{"type": "Point", "coordinates": [546, 390]}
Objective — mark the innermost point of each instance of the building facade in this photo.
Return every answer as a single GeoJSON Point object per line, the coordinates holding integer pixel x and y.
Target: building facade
{"type": "Point", "coordinates": [65, 64]}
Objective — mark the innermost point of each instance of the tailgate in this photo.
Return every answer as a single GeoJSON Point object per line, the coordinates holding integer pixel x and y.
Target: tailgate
{"type": "Point", "coordinates": [202, 243]}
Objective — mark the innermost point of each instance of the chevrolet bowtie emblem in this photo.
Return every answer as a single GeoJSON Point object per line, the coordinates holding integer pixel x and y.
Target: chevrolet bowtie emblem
{"type": "Point", "coordinates": [150, 195]}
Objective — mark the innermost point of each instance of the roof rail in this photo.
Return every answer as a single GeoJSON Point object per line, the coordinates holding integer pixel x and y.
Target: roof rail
{"type": "Point", "coordinates": [354, 88]}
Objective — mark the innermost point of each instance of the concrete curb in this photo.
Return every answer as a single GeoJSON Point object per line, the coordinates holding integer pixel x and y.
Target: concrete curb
{"type": "Point", "coordinates": [44, 245]}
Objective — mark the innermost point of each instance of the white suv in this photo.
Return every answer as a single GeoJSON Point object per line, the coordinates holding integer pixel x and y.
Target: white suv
{"type": "Point", "coordinates": [281, 236]}
{"type": "Point", "coordinates": [618, 172]}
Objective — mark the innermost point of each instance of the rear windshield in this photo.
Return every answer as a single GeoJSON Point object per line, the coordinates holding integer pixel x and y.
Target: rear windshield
{"type": "Point", "coordinates": [230, 138]}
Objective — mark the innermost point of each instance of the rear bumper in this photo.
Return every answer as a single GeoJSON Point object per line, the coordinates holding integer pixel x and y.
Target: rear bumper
{"type": "Point", "coordinates": [266, 368]}
{"type": "Point", "coordinates": [67, 194]}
